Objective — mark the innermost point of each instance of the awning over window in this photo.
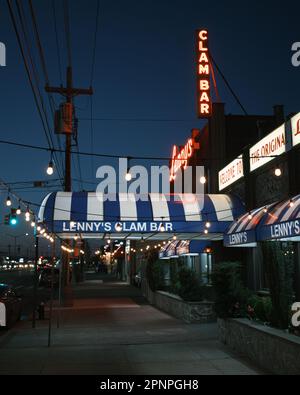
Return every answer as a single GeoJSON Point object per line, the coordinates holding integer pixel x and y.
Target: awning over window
{"type": "Point", "coordinates": [279, 221]}
{"type": "Point", "coordinates": [156, 218]}
{"type": "Point", "coordinates": [242, 232]}
{"type": "Point", "coordinates": [282, 222]}
{"type": "Point", "coordinates": [177, 249]}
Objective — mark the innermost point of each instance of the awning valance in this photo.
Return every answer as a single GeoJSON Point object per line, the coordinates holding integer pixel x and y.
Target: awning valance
{"type": "Point", "coordinates": [176, 249]}
{"type": "Point", "coordinates": [155, 217]}
{"type": "Point", "coordinates": [282, 222]}
{"type": "Point", "coordinates": [279, 221]}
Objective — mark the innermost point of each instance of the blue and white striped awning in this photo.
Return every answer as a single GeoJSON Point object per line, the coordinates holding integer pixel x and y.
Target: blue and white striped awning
{"type": "Point", "coordinates": [279, 221]}
{"type": "Point", "coordinates": [155, 217]}
{"type": "Point", "coordinates": [282, 222]}
{"type": "Point", "coordinates": [176, 249]}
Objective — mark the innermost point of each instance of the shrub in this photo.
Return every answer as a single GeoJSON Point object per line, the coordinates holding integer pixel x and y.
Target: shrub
{"type": "Point", "coordinates": [187, 286]}
{"type": "Point", "coordinates": [154, 272]}
{"type": "Point", "coordinates": [280, 269]}
{"type": "Point", "coordinates": [262, 308]}
{"type": "Point", "coordinates": [231, 294]}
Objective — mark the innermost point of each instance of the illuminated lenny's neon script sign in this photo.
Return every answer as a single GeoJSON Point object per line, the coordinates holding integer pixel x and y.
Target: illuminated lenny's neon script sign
{"type": "Point", "coordinates": [203, 76]}
{"type": "Point", "coordinates": [180, 158]}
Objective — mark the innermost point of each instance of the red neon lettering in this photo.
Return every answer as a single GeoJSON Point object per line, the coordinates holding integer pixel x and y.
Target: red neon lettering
{"type": "Point", "coordinates": [204, 96]}
{"type": "Point", "coordinates": [203, 35]}
{"type": "Point", "coordinates": [297, 128]}
{"type": "Point", "coordinates": [204, 69]}
{"type": "Point", "coordinates": [180, 159]}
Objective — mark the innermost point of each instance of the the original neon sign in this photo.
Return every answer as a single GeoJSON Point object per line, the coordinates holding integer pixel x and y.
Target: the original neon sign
{"type": "Point", "coordinates": [203, 76]}
{"type": "Point", "coordinates": [180, 158]}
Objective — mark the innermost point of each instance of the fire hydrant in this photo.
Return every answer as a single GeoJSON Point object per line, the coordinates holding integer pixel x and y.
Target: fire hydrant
{"type": "Point", "coordinates": [41, 311]}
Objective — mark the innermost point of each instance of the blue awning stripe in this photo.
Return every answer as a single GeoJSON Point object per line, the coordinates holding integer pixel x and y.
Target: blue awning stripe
{"type": "Point", "coordinates": [112, 210]}
{"type": "Point", "coordinates": [79, 207]}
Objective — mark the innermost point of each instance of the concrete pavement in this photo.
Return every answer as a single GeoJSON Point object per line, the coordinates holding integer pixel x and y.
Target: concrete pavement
{"type": "Point", "coordinates": [112, 330]}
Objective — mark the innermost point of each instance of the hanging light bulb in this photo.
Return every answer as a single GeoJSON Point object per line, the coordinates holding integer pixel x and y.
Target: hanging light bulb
{"type": "Point", "coordinates": [206, 231]}
{"type": "Point", "coordinates": [203, 180]}
{"type": "Point", "coordinates": [250, 216]}
{"type": "Point", "coordinates": [208, 225]}
{"type": "Point", "coordinates": [292, 204]}
{"type": "Point", "coordinates": [128, 176]}
{"type": "Point", "coordinates": [19, 211]}
{"type": "Point", "coordinates": [119, 227]}
{"type": "Point", "coordinates": [32, 224]}
{"type": "Point", "coordinates": [162, 228]}
{"type": "Point", "coordinates": [8, 202]}
{"type": "Point", "coordinates": [50, 169]}
{"type": "Point", "coordinates": [27, 215]}
{"type": "Point", "coordinates": [174, 237]}
{"type": "Point", "coordinates": [278, 172]}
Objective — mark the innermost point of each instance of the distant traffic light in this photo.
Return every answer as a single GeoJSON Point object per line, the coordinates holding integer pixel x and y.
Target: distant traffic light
{"type": "Point", "coordinates": [13, 221]}
{"type": "Point", "coordinates": [12, 218]}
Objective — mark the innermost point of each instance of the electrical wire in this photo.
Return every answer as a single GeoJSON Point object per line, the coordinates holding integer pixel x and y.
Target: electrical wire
{"type": "Point", "coordinates": [27, 67]}
{"type": "Point", "coordinates": [114, 156]}
{"type": "Point", "coordinates": [52, 103]}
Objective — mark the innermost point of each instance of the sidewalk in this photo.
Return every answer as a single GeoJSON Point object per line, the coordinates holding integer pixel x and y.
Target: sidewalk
{"type": "Point", "coordinates": [112, 330]}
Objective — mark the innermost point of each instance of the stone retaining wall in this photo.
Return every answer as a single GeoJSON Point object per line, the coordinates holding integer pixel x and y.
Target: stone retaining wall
{"type": "Point", "coordinates": [272, 350]}
{"type": "Point", "coordinates": [190, 312]}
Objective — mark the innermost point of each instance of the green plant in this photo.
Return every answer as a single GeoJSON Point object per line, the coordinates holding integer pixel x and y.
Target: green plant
{"type": "Point", "coordinates": [231, 294]}
{"type": "Point", "coordinates": [187, 286]}
{"type": "Point", "coordinates": [154, 272]}
{"type": "Point", "coordinates": [279, 269]}
{"type": "Point", "coordinates": [262, 308]}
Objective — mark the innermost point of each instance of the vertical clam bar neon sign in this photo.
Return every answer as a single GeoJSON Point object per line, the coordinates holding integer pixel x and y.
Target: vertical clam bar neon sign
{"type": "Point", "coordinates": [204, 103]}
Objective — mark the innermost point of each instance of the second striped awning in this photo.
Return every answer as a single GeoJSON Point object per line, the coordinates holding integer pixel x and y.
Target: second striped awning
{"type": "Point", "coordinates": [279, 221]}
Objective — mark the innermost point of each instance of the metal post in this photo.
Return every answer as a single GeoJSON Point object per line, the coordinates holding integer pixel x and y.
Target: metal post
{"type": "Point", "coordinates": [59, 292]}
{"type": "Point", "coordinates": [52, 296]}
{"type": "Point", "coordinates": [36, 279]}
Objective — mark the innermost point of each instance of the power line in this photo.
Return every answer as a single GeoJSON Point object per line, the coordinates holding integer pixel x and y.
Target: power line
{"type": "Point", "coordinates": [35, 90]}
{"type": "Point", "coordinates": [95, 43]}
{"type": "Point", "coordinates": [113, 156]}
{"type": "Point", "coordinates": [229, 86]}
{"type": "Point", "coordinates": [68, 31]}
{"type": "Point", "coordinates": [46, 74]}
{"type": "Point", "coordinates": [135, 120]}
{"type": "Point", "coordinates": [57, 41]}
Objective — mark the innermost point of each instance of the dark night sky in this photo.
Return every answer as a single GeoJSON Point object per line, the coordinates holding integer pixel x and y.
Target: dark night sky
{"type": "Point", "coordinates": [145, 69]}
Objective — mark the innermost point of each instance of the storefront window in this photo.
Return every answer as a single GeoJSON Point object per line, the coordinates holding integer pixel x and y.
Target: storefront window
{"type": "Point", "coordinates": [205, 268]}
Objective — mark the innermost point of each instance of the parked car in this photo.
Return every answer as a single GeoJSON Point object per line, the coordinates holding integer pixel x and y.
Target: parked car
{"type": "Point", "coordinates": [10, 306]}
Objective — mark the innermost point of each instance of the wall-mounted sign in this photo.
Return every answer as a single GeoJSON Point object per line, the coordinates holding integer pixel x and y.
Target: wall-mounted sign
{"type": "Point", "coordinates": [296, 129]}
{"type": "Point", "coordinates": [231, 173]}
{"type": "Point", "coordinates": [269, 148]}
{"type": "Point", "coordinates": [203, 75]}
{"type": "Point", "coordinates": [180, 156]}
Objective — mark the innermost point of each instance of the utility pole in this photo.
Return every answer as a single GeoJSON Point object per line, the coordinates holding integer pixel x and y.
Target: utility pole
{"type": "Point", "coordinates": [69, 92]}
